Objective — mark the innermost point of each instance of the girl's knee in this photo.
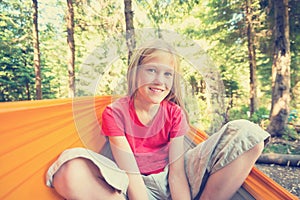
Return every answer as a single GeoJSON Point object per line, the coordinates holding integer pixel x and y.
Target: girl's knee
{"type": "Point", "coordinates": [69, 178]}
{"type": "Point", "coordinates": [70, 172]}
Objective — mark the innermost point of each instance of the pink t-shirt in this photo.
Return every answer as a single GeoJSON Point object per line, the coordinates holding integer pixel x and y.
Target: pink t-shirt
{"type": "Point", "coordinates": [150, 144]}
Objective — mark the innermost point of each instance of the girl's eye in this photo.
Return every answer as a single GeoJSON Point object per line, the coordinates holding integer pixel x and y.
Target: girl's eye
{"type": "Point", "coordinates": [168, 74]}
{"type": "Point", "coordinates": [151, 70]}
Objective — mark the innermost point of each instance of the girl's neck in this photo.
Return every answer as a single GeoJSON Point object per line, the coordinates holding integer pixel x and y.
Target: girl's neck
{"type": "Point", "coordinates": [145, 112]}
{"type": "Point", "coordinates": [145, 107]}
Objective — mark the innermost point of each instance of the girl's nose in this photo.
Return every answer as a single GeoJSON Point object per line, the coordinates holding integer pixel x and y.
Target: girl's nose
{"type": "Point", "coordinates": [159, 79]}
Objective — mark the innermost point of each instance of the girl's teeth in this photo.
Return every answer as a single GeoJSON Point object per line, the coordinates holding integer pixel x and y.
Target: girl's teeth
{"type": "Point", "coordinates": [155, 90]}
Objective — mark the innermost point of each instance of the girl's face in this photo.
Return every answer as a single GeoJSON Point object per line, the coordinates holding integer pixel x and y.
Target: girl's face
{"type": "Point", "coordinates": [155, 77]}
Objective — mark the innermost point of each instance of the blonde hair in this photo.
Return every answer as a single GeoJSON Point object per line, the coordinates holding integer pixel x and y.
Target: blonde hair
{"type": "Point", "coordinates": [148, 50]}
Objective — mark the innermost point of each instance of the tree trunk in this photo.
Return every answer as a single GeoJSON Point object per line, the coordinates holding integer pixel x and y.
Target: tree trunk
{"type": "Point", "coordinates": [130, 37]}
{"type": "Point", "coordinates": [280, 159]}
{"type": "Point", "coordinates": [280, 70]}
{"type": "Point", "coordinates": [36, 50]}
{"type": "Point", "coordinates": [252, 58]}
{"type": "Point", "coordinates": [27, 90]}
{"type": "Point", "coordinates": [71, 50]}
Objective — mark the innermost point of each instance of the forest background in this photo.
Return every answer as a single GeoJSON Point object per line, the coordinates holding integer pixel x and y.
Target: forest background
{"type": "Point", "coordinates": [254, 44]}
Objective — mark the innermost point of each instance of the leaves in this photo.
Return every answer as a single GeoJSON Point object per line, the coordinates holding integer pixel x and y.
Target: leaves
{"type": "Point", "coordinates": [217, 26]}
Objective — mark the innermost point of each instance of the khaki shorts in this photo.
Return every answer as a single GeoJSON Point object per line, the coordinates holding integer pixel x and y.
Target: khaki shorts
{"type": "Point", "coordinates": [217, 151]}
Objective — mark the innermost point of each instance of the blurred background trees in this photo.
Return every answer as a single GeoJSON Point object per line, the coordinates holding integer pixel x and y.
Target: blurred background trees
{"type": "Point", "coordinates": [241, 37]}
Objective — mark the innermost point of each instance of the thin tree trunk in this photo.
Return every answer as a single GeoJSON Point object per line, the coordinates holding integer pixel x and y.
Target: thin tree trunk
{"type": "Point", "coordinates": [36, 50]}
{"type": "Point", "coordinates": [27, 90]}
{"type": "Point", "coordinates": [280, 70]}
{"type": "Point", "coordinates": [71, 50]}
{"type": "Point", "coordinates": [252, 58]}
{"type": "Point", "coordinates": [130, 36]}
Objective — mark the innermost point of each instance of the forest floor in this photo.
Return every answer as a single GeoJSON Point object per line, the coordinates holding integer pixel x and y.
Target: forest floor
{"type": "Point", "coordinates": [286, 176]}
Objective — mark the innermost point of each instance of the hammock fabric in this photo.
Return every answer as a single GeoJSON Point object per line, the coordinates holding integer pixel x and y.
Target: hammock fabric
{"type": "Point", "coordinates": [34, 133]}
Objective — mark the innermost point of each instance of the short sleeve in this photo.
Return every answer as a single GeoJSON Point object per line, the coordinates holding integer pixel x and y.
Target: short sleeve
{"type": "Point", "coordinates": [112, 122]}
{"type": "Point", "coordinates": [180, 125]}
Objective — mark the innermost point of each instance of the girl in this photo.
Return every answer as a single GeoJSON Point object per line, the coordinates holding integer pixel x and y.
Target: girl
{"type": "Point", "coordinates": [146, 157]}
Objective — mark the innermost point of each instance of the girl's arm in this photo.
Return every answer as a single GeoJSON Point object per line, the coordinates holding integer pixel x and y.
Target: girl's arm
{"type": "Point", "coordinates": [126, 161]}
{"type": "Point", "coordinates": [177, 179]}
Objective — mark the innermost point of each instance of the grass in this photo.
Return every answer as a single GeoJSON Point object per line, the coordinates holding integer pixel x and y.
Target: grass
{"type": "Point", "coordinates": [282, 149]}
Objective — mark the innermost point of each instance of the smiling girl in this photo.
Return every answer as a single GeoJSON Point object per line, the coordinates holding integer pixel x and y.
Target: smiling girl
{"type": "Point", "coordinates": [145, 131]}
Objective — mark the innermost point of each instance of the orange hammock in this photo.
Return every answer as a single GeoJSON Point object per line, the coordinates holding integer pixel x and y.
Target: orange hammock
{"type": "Point", "coordinates": [34, 133]}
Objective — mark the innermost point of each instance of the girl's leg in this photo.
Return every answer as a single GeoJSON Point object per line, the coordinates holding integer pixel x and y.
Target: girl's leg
{"type": "Point", "coordinates": [80, 179]}
{"type": "Point", "coordinates": [225, 182]}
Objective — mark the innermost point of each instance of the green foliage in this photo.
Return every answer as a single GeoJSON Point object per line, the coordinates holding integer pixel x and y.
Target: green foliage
{"type": "Point", "coordinates": [238, 113]}
{"type": "Point", "coordinates": [163, 13]}
{"type": "Point", "coordinates": [293, 116]}
{"type": "Point", "coordinates": [257, 117]}
{"type": "Point", "coordinates": [282, 149]}
{"type": "Point", "coordinates": [290, 133]}
{"type": "Point", "coordinates": [290, 147]}
{"type": "Point", "coordinates": [16, 76]}
{"type": "Point", "coordinates": [17, 79]}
